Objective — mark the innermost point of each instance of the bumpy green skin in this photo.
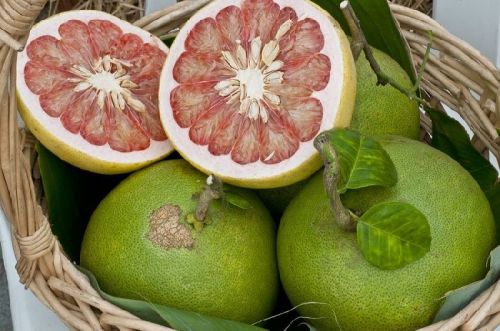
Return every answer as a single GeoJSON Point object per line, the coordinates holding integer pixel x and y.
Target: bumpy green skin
{"type": "Point", "coordinates": [383, 110]}
{"type": "Point", "coordinates": [230, 273]}
{"type": "Point", "coordinates": [320, 262]}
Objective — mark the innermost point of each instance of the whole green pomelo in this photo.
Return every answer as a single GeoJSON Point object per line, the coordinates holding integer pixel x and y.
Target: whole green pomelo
{"type": "Point", "coordinates": [139, 246]}
{"type": "Point", "coordinates": [383, 110]}
{"type": "Point", "coordinates": [319, 262]}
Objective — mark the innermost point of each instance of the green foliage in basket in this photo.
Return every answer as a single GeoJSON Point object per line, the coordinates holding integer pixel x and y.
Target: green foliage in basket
{"type": "Point", "coordinates": [393, 234]}
{"type": "Point", "coordinates": [362, 160]}
{"type": "Point", "coordinates": [451, 138]}
{"type": "Point", "coordinates": [180, 320]}
{"type": "Point", "coordinates": [494, 198]}
{"type": "Point", "coordinates": [72, 195]}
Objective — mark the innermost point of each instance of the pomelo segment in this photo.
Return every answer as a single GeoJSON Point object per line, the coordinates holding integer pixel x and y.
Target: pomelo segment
{"type": "Point", "coordinates": [248, 85]}
{"type": "Point", "coordinates": [87, 86]}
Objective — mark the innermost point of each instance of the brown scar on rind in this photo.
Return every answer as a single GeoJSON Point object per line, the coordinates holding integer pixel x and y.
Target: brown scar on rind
{"type": "Point", "coordinates": [165, 229]}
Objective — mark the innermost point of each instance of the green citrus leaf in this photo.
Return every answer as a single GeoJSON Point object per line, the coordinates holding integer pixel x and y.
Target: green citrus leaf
{"type": "Point", "coordinates": [363, 161]}
{"type": "Point", "coordinates": [236, 200]}
{"type": "Point", "coordinates": [180, 320]}
{"type": "Point", "coordinates": [168, 40]}
{"type": "Point", "coordinates": [72, 195]}
{"type": "Point", "coordinates": [379, 27]}
{"type": "Point", "coordinates": [392, 235]}
{"type": "Point", "coordinates": [494, 199]}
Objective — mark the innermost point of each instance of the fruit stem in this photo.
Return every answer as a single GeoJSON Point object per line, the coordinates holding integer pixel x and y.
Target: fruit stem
{"type": "Point", "coordinates": [331, 174]}
{"type": "Point", "coordinates": [358, 38]}
{"type": "Point", "coordinates": [359, 43]}
{"type": "Point", "coordinates": [213, 190]}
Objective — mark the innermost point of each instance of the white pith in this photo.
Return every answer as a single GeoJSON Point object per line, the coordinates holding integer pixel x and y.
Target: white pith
{"type": "Point", "coordinates": [109, 79]}
{"type": "Point", "coordinates": [223, 165]}
{"type": "Point", "coordinates": [254, 73]}
{"type": "Point", "coordinates": [250, 83]}
{"type": "Point", "coordinates": [102, 81]}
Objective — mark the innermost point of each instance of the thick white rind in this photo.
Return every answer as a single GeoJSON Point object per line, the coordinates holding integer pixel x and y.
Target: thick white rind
{"type": "Point", "coordinates": [256, 174]}
{"type": "Point", "coordinates": [49, 130]}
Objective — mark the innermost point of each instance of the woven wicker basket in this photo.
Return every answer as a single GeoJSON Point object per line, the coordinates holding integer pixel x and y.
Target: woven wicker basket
{"type": "Point", "coordinates": [456, 75]}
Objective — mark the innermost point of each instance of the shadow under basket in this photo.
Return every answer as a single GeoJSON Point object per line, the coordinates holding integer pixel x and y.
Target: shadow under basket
{"type": "Point", "coordinates": [456, 75]}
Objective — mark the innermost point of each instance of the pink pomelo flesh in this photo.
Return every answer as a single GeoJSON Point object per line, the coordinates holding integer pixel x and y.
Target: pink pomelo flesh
{"type": "Point", "coordinates": [245, 82]}
{"type": "Point", "coordinates": [100, 81]}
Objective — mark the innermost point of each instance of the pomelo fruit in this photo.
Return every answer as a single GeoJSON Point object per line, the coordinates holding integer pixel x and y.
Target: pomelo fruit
{"type": "Point", "coordinates": [319, 262]}
{"type": "Point", "coordinates": [249, 84]}
{"type": "Point", "coordinates": [139, 245]}
{"type": "Point", "coordinates": [87, 87]}
{"type": "Point", "coordinates": [383, 110]}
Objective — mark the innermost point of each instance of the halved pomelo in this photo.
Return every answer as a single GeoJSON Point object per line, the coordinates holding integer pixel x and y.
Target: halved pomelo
{"type": "Point", "coordinates": [249, 84]}
{"type": "Point", "coordinates": [87, 87]}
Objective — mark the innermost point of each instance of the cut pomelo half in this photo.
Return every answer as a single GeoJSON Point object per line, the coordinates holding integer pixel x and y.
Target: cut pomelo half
{"type": "Point", "coordinates": [87, 87]}
{"type": "Point", "coordinates": [249, 84]}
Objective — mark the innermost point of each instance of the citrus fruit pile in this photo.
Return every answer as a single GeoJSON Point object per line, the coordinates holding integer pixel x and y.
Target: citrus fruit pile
{"type": "Point", "coordinates": [242, 95]}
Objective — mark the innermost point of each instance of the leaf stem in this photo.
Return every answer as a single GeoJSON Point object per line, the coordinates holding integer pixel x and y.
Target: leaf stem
{"type": "Point", "coordinates": [331, 175]}
{"type": "Point", "coordinates": [359, 43]}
